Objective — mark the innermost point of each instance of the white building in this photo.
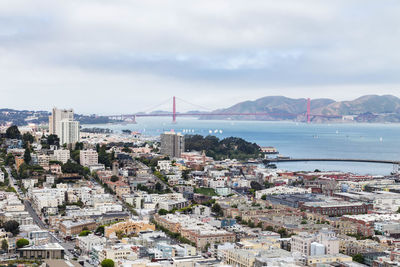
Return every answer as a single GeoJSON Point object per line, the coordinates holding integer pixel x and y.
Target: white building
{"type": "Point", "coordinates": [86, 243]}
{"type": "Point", "coordinates": [2, 177]}
{"type": "Point", "coordinates": [69, 131]}
{"type": "Point", "coordinates": [57, 116]}
{"type": "Point", "coordinates": [89, 157]}
{"type": "Point", "coordinates": [313, 244]}
{"type": "Point", "coordinates": [164, 165]}
{"type": "Point", "coordinates": [202, 210]}
{"type": "Point", "coordinates": [117, 252]}
{"type": "Point", "coordinates": [278, 190]}
{"type": "Point", "coordinates": [62, 155]}
{"type": "Point", "coordinates": [43, 160]}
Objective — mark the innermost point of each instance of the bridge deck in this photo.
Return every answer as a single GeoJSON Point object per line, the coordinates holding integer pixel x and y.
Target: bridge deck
{"type": "Point", "coordinates": [332, 159]}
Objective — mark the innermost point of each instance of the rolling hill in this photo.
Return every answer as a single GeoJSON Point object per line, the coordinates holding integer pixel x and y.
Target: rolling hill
{"type": "Point", "coordinates": [368, 108]}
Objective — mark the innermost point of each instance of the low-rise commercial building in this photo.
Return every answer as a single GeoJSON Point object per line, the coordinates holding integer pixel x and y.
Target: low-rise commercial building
{"type": "Point", "coordinates": [129, 227]}
{"type": "Point", "coordinates": [69, 228]}
{"type": "Point", "coordinates": [47, 251]}
{"type": "Point", "coordinates": [196, 231]}
{"type": "Point", "coordinates": [336, 208]}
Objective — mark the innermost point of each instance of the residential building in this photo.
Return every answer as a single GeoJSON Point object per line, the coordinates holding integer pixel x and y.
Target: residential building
{"type": "Point", "coordinates": [43, 161]}
{"type": "Point", "coordinates": [62, 155]}
{"type": "Point", "coordinates": [86, 243]}
{"type": "Point", "coordinates": [69, 228]}
{"type": "Point", "coordinates": [57, 116]}
{"type": "Point", "coordinates": [281, 190]}
{"type": "Point", "coordinates": [336, 208]}
{"type": "Point", "coordinates": [173, 204]}
{"type": "Point", "coordinates": [196, 231]}
{"type": "Point", "coordinates": [129, 227]}
{"type": "Point", "coordinates": [18, 162]}
{"type": "Point", "coordinates": [69, 131]}
{"type": "Point", "coordinates": [89, 157]}
{"type": "Point", "coordinates": [323, 243]}
{"type": "Point", "coordinates": [172, 144]}
{"type": "Point", "coordinates": [118, 252]}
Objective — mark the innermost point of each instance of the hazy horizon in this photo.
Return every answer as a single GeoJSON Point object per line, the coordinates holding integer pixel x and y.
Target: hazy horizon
{"type": "Point", "coordinates": [169, 104]}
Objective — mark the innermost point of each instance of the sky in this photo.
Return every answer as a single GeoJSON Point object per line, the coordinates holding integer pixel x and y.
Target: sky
{"type": "Point", "coordinates": [125, 56]}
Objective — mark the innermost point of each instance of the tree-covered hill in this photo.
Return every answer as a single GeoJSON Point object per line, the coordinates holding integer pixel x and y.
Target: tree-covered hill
{"type": "Point", "coordinates": [231, 147]}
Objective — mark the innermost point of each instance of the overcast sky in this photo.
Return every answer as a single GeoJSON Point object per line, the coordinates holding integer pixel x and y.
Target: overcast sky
{"type": "Point", "coordinates": [123, 56]}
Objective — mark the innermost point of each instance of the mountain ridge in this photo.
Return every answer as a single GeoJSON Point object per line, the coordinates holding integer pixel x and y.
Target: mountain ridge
{"type": "Point", "coordinates": [367, 108]}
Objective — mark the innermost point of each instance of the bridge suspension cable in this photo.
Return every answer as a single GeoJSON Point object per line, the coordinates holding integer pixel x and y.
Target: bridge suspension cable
{"type": "Point", "coordinates": [195, 105]}
{"type": "Point", "coordinates": [158, 105]}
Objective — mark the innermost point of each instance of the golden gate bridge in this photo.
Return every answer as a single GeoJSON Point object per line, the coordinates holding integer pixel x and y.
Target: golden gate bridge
{"type": "Point", "coordinates": [308, 116]}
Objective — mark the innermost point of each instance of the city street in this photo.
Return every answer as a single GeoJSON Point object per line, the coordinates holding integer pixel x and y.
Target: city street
{"type": "Point", "coordinates": [34, 215]}
{"type": "Point", "coordinates": [36, 219]}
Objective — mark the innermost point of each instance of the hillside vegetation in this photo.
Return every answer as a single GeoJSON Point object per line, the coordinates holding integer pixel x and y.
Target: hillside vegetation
{"type": "Point", "coordinates": [231, 147]}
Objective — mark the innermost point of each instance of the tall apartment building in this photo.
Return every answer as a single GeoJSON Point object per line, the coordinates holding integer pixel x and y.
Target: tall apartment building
{"type": "Point", "coordinates": [57, 116]}
{"type": "Point", "coordinates": [89, 157]}
{"type": "Point", "coordinates": [172, 144]}
{"type": "Point", "coordinates": [61, 123]}
{"type": "Point", "coordinates": [69, 132]}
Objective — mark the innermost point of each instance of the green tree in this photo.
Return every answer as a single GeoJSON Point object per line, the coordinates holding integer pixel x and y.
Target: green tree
{"type": "Point", "coordinates": [71, 167]}
{"type": "Point", "coordinates": [264, 197]}
{"type": "Point", "coordinates": [216, 208]}
{"type": "Point", "coordinates": [13, 132]}
{"type": "Point", "coordinates": [114, 178]}
{"type": "Point", "coordinates": [126, 150]}
{"type": "Point", "coordinates": [100, 230]}
{"type": "Point", "coordinates": [269, 228]}
{"type": "Point", "coordinates": [158, 187]}
{"type": "Point", "coordinates": [104, 157]}
{"type": "Point", "coordinates": [12, 227]}
{"type": "Point", "coordinates": [283, 232]}
{"type": "Point", "coordinates": [10, 160]}
{"type": "Point", "coordinates": [185, 174]}
{"type": "Point", "coordinates": [162, 211]}
{"type": "Point", "coordinates": [107, 263]}
{"type": "Point", "coordinates": [27, 155]}
{"type": "Point", "coordinates": [78, 146]}
{"type": "Point", "coordinates": [4, 245]}
{"type": "Point", "coordinates": [84, 233]}
{"type": "Point", "coordinates": [27, 138]}
{"type": "Point", "coordinates": [358, 258]}
{"type": "Point", "coordinates": [75, 155]}
{"type": "Point", "coordinates": [255, 185]}
{"type": "Point", "coordinates": [53, 140]}
{"type": "Point", "coordinates": [22, 243]}
{"type": "Point", "coordinates": [398, 210]}
{"type": "Point", "coordinates": [231, 147]}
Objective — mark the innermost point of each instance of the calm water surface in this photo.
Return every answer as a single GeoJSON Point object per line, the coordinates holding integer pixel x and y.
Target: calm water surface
{"type": "Point", "coordinates": [361, 141]}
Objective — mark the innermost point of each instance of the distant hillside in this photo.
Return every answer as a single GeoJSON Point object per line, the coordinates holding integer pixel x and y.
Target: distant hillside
{"type": "Point", "coordinates": [369, 103]}
{"type": "Point", "coordinates": [282, 107]}
{"type": "Point", "coordinates": [369, 108]}
{"type": "Point", "coordinates": [23, 117]}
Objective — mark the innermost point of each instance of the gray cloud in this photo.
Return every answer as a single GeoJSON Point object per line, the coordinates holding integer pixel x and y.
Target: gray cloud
{"type": "Point", "coordinates": [86, 53]}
